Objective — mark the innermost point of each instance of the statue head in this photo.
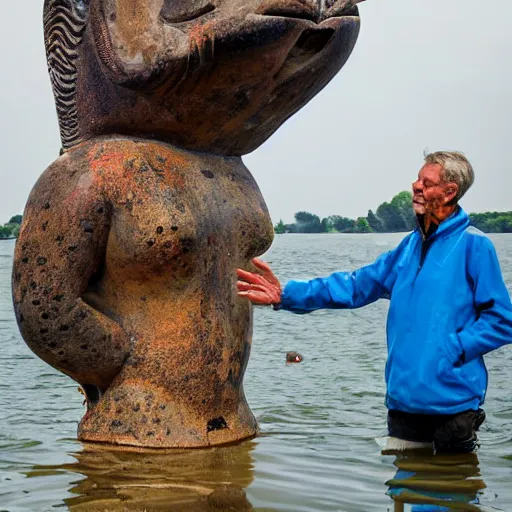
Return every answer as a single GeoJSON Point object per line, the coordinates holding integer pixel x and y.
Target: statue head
{"type": "Point", "coordinates": [210, 75]}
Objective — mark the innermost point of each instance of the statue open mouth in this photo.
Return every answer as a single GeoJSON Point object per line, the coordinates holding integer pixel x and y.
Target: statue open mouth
{"type": "Point", "coordinates": [315, 11]}
{"type": "Point", "coordinates": [322, 21]}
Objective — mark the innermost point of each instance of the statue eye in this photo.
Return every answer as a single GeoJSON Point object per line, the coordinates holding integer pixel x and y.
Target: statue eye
{"type": "Point", "coordinates": [178, 11]}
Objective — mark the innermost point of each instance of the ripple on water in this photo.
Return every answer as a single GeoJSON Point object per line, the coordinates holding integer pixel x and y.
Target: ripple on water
{"type": "Point", "coordinates": [319, 419]}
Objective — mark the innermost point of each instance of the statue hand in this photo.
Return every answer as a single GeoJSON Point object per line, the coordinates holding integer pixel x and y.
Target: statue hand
{"type": "Point", "coordinates": [259, 288]}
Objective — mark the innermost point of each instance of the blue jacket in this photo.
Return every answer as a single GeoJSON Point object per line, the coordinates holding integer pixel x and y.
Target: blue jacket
{"type": "Point", "coordinates": [449, 306]}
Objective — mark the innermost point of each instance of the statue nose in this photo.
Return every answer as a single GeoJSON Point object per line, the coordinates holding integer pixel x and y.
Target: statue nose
{"type": "Point", "coordinates": [303, 9]}
{"type": "Point", "coordinates": [314, 10]}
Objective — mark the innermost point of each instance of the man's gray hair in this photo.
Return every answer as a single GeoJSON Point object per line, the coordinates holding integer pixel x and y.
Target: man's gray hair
{"type": "Point", "coordinates": [455, 169]}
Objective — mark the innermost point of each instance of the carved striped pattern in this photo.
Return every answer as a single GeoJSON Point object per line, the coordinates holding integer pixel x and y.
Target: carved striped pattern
{"type": "Point", "coordinates": [64, 25]}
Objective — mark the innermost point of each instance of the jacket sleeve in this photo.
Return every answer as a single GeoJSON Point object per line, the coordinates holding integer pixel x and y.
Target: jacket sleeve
{"type": "Point", "coordinates": [344, 290]}
{"type": "Point", "coordinates": [493, 325]}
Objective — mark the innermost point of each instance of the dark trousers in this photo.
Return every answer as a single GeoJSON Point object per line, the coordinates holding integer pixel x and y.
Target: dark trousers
{"type": "Point", "coordinates": [448, 433]}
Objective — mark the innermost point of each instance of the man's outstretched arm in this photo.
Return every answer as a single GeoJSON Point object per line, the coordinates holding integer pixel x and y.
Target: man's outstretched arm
{"type": "Point", "coordinates": [340, 290]}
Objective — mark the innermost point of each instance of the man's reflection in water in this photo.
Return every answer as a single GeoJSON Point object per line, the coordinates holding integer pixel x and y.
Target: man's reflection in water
{"type": "Point", "coordinates": [209, 480]}
{"type": "Point", "coordinates": [435, 483]}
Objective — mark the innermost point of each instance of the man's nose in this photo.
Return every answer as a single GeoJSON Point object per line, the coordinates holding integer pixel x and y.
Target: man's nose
{"type": "Point", "coordinates": [417, 186]}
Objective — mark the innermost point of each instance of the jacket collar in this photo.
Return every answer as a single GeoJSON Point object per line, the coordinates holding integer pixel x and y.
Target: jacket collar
{"type": "Point", "coordinates": [457, 221]}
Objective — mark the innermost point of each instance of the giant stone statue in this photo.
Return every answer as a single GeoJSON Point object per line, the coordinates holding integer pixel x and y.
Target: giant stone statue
{"type": "Point", "coordinates": [124, 272]}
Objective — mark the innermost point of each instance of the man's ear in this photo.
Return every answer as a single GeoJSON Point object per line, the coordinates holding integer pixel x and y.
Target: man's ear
{"type": "Point", "coordinates": [450, 192]}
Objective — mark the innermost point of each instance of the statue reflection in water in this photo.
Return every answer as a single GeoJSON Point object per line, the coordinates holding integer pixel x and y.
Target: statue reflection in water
{"type": "Point", "coordinates": [425, 482]}
{"type": "Point", "coordinates": [135, 480]}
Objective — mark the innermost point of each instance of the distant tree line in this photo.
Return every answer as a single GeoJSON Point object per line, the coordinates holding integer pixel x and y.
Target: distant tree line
{"type": "Point", "coordinates": [12, 228]}
{"type": "Point", "coordinates": [492, 222]}
{"type": "Point", "coordinates": [394, 217]}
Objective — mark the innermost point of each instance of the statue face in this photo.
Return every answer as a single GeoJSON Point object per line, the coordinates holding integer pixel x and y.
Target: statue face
{"type": "Point", "coordinates": [213, 75]}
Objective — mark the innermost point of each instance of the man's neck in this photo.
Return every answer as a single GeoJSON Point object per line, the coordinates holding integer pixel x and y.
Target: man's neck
{"type": "Point", "coordinates": [437, 216]}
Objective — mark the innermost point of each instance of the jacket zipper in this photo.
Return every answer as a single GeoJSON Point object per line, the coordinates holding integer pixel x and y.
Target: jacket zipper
{"type": "Point", "coordinates": [425, 246]}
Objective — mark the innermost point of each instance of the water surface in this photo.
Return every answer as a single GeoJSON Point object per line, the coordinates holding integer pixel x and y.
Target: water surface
{"type": "Point", "coordinates": [321, 421]}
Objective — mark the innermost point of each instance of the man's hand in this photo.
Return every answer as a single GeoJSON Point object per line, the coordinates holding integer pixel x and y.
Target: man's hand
{"type": "Point", "coordinates": [259, 288]}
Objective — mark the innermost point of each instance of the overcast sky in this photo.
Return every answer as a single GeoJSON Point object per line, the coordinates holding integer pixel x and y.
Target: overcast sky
{"type": "Point", "coordinates": [433, 74]}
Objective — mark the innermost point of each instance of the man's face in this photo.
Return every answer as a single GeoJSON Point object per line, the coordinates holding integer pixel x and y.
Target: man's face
{"type": "Point", "coordinates": [430, 192]}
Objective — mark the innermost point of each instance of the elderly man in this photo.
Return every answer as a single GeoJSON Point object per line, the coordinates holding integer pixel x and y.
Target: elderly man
{"type": "Point", "coordinates": [449, 306]}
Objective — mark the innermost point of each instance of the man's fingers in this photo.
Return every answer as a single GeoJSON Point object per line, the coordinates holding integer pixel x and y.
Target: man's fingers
{"type": "Point", "coordinates": [260, 289]}
{"type": "Point", "coordinates": [251, 277]}
{"type": "Point", "coordinates": [272, 279]}
{"type": "Point", "coordinates": [262, 265]}
{"type": "Point", "coordinates": [267, 271]}
{"type": "Point", "coordinates": [256, 297]}
{"type": "Point", "coordinates": [243, 286]}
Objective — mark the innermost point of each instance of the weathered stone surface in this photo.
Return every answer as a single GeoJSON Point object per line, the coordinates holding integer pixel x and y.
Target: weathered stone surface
{"type": "Point", "coordinates": [124, 272]}
{"type": "Point", "coordinates": [124, 280]}
{"type": "Point", "coordinates": [217, 76]}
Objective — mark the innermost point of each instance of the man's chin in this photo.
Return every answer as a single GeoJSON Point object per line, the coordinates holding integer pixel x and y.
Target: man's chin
{"type": "Point", "coordinates": [419, 209]}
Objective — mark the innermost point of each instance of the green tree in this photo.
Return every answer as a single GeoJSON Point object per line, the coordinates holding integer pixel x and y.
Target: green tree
{"type": "Point", "coordinates": [375, 222]}
{"type": "Point", "coordinates": [5, 232]}
{"type": "Point", "coordinates": [280, 228]}
{"type": "Point", "coordinates": [341, 224]}
{"type": "Point", "coordinates": [15, 220]}
{"type": "Point", "coordinates": [362, 225]}
{"type": "Point", "coordinates": [492, 222]}
{"type": "Point", "coordinates": [403, 203]}
{"type": "Point", "coordinates": [391, 218]}
{"type": "Point", "coordinates": [308, 223]}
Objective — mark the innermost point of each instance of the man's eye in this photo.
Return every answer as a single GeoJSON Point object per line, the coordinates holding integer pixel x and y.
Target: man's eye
{"type": "Point", "coordinates": [178, 11]}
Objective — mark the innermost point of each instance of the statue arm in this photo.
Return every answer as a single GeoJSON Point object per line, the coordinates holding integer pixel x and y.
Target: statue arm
{"type": "Point", "coordinates": [61, 247]}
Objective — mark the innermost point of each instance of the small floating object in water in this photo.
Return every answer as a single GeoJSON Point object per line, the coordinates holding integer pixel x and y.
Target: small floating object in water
{"type": "Point", "coordinates": [293, 357]}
